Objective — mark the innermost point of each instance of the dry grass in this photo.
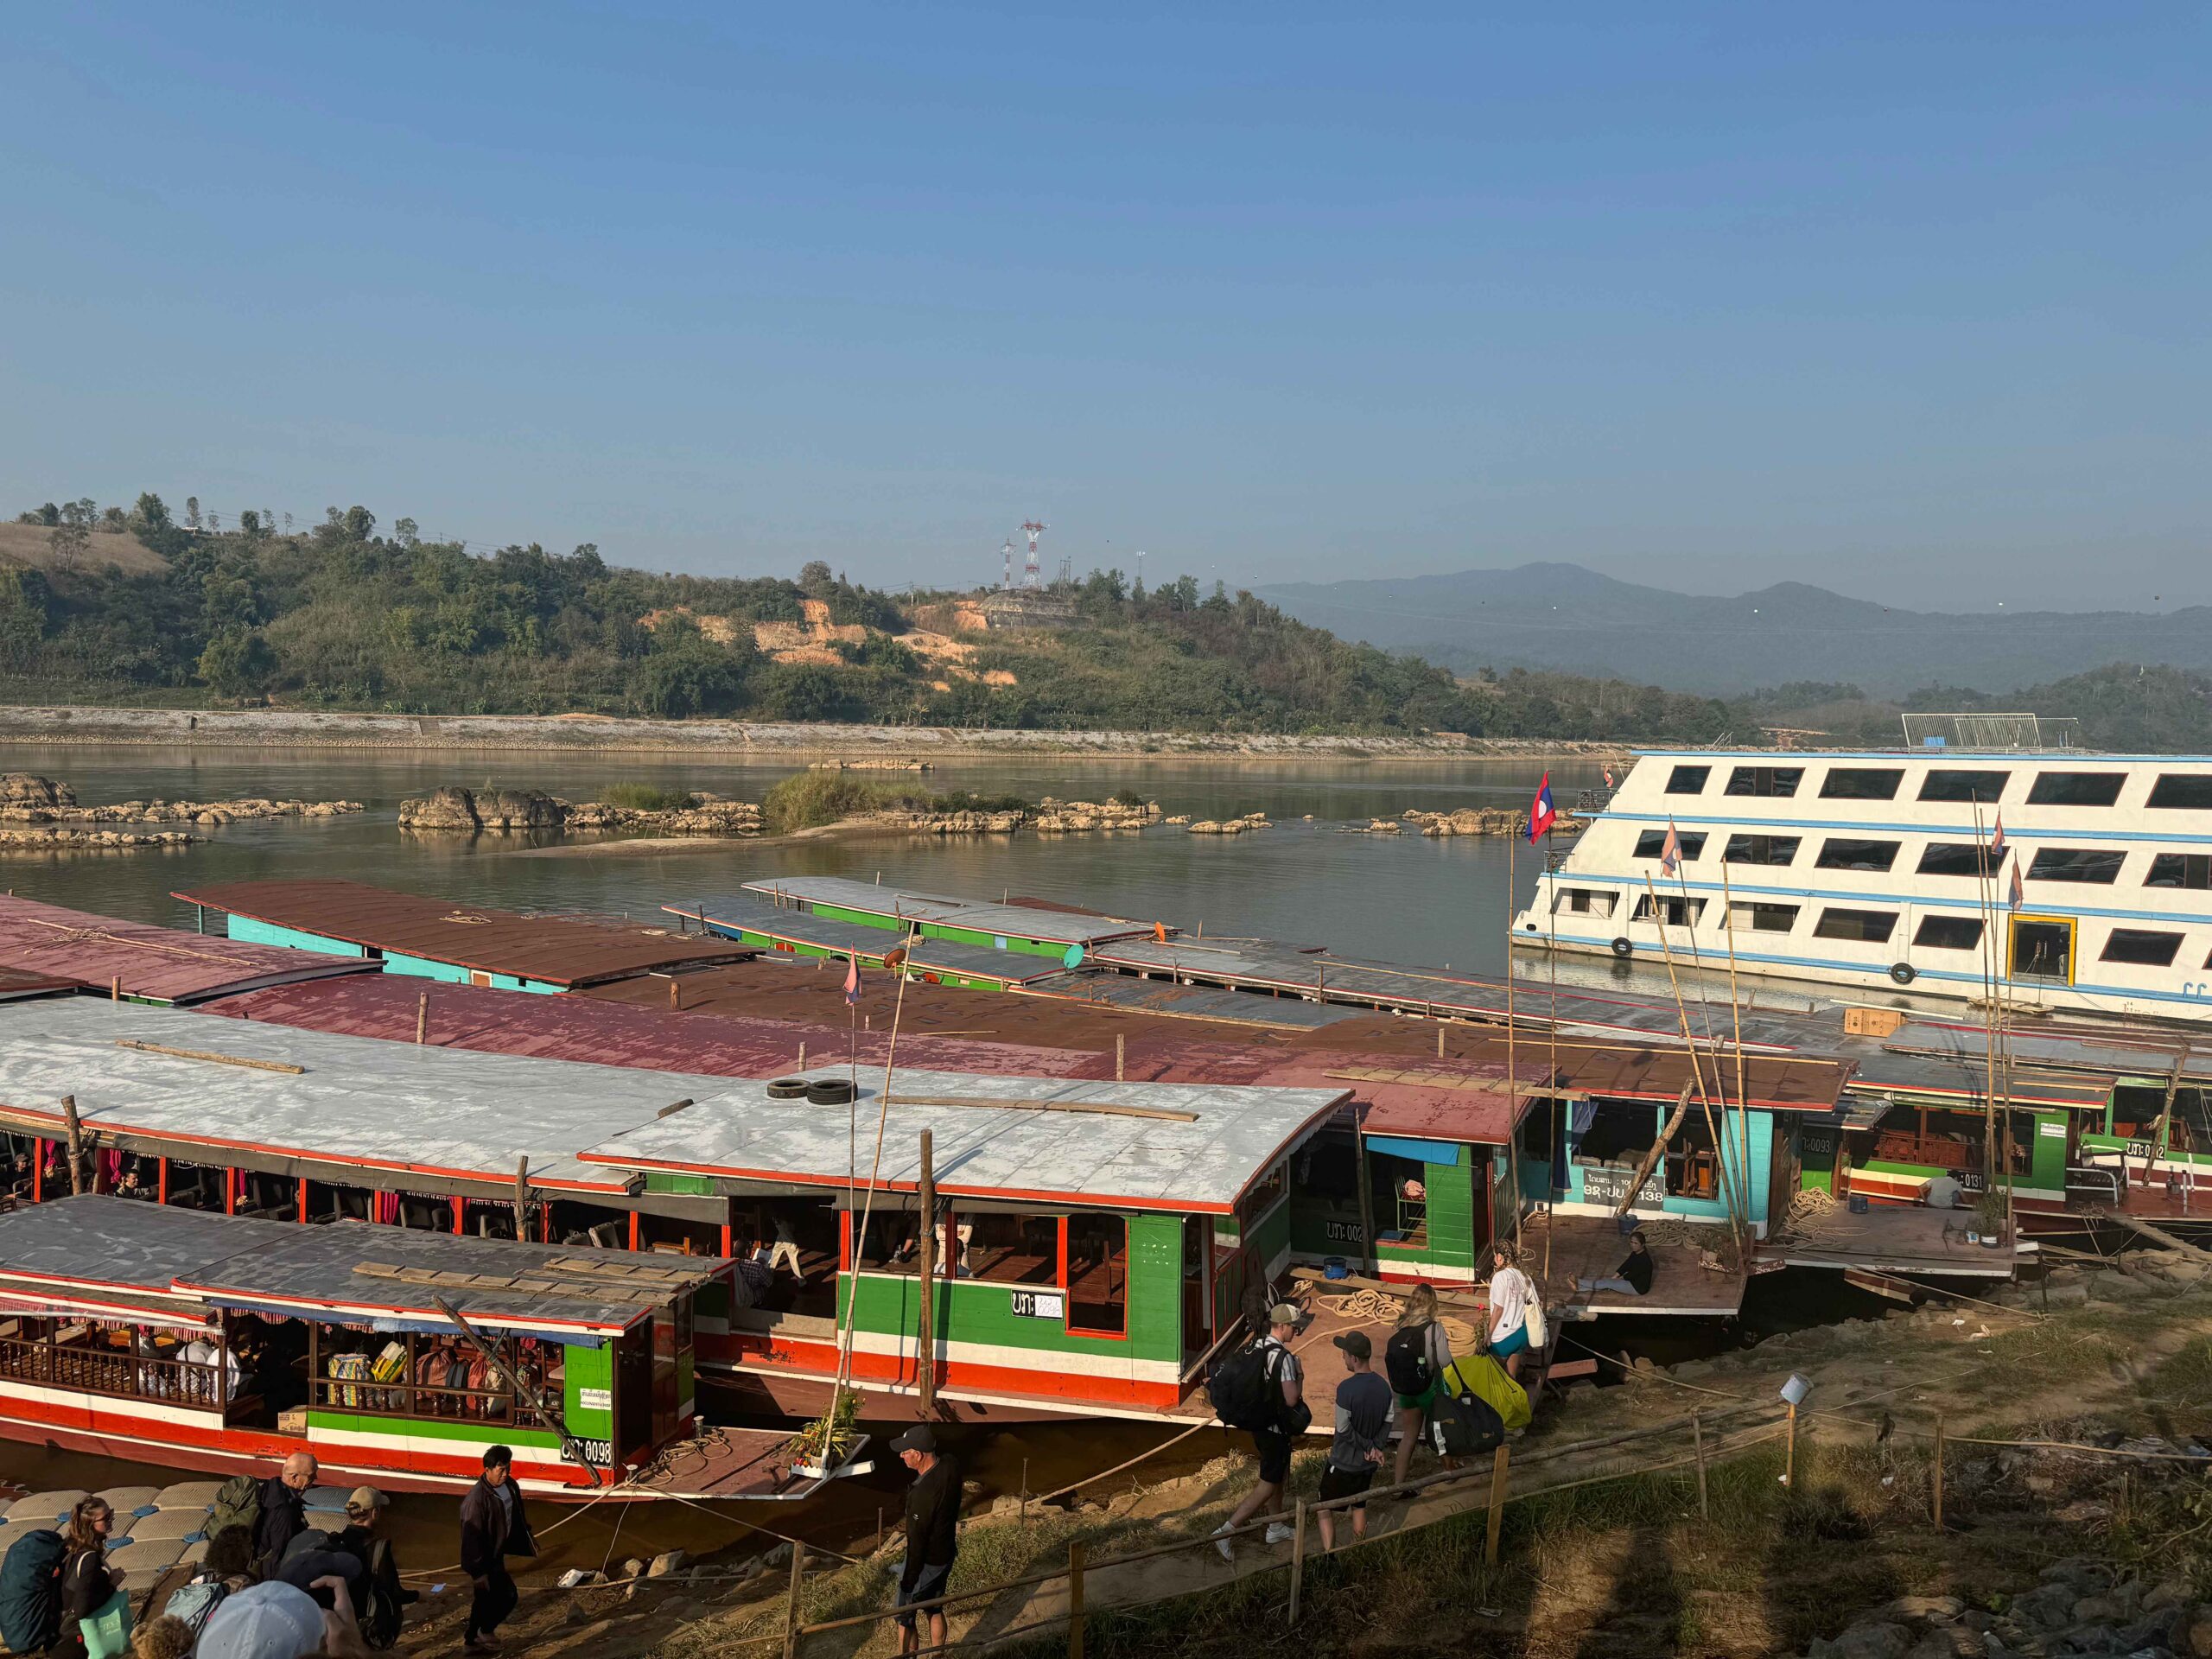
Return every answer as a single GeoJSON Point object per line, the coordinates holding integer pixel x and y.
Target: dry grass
{"type": "Point", "coordinates": [33, 544]}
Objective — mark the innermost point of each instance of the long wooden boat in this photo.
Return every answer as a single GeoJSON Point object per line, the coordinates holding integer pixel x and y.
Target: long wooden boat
{"type": "Point", "coordinates": [396, 1357]}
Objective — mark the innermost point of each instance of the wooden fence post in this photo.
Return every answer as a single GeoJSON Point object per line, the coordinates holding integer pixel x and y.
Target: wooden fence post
{"type": "Point", "coordinates": [423, 1018]}
{"type": "Point", "coordinates": [1789, 1451]}
{"type": "Point", "coordinates": [1297, 1556]}
{"type": "Point", "coordinates": [925, 1320]}
{"type": "Point", "coordinates": [76, 1144]}
{"type": "Point", "coordinates": [1936, 1474]}
{"type": "Point", "coordinates": [522, 1197]}
{"type": "Point", "coordinates": [1075, 1599]}
{"type": "Point", "coordinates": [1697, 1430]}
{"type": "Point", "coordinates": [791, 1605]}
{"type": "Point", "coordinates": [1498, 1462]}
{"type": "Point", "coordinates": [1121, 1049]}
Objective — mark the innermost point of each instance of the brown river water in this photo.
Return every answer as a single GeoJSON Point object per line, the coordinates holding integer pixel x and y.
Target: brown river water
{"type": "Point", "coordinates": [1401, 898]}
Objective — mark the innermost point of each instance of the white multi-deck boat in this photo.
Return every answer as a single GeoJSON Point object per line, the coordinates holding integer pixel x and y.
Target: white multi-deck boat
{"type": "Point", "coordinates": [1873, 868]}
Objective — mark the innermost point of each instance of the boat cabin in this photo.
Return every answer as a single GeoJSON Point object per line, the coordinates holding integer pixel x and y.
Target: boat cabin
{"type": "Point", "coordinates": [396, 1357]}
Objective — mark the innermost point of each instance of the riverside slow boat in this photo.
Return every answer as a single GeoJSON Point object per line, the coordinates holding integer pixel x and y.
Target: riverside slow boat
{"type": "Point", "coordinates": [208, 1342]}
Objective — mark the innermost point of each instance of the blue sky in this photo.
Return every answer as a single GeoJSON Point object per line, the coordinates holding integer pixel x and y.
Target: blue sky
{"type": "Point", "coordinates": [1908, 302]}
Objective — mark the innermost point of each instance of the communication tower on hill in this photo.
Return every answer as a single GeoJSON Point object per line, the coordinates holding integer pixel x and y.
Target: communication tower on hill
{"type": "Point", "coordinates": [1032, 576]}
{"type": "Point", "coordinates": [1006, 553]}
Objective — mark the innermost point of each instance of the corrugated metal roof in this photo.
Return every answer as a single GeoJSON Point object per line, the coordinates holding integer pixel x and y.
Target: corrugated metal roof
{"type": "Point", "coordinates": [159, 964]}
{"type": "Point", "coordinates": [796, 927]}
{"type": "Point", "coordinates": [386, 1107]}
{"type": "Point", "coordinates": [554, 951]}
{"type": "Point", "coordinates": [120, 1244]}
{"type": "Point", "coordinates": [601, 1032]}
{"type": "Point", "coordinates": [1015, 921]}
{"type": "Point", "coordinates": [1013, 1138]}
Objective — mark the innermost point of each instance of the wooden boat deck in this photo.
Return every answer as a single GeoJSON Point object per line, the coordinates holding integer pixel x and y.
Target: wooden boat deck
{"type": "Point", "coordinates": [754, 1463]}
{"type": "Point", "coordinates": [1591, 1246]}
{"type": "Point", "coordinates": [1888, 1238]}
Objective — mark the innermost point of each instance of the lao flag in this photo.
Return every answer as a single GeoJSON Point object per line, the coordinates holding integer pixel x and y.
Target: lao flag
{"type": "Point", "coordinates": [1541, 815]}
{"type": "Point", "coordinates": [852, 981]}
{"type": "Point", "coordinates": [2016, 895]}
{"type": "Point", "coordinates": [1997, 840]}
{"type": "Point", "coordinates": [1609, 776]}
{"type": "Point", "coordinates": [1670, 854]}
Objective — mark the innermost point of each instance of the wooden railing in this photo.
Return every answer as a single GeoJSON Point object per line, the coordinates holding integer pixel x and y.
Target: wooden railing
{"type": "Point", "coordinates": [94, 1367]}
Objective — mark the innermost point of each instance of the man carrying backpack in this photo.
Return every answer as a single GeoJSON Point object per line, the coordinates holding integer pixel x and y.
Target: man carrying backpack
{"type": "Point", "coordinates": [283, 1511]}
{"type": "Point", "coordinates": [1278, 1412]}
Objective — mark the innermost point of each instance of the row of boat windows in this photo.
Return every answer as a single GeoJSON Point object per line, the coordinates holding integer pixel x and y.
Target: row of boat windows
{"type": "Point", "coordinates": [2184, 791]}
{"type": "Point", "coordinates": [1967, 859]}
{"type": "Point", "coordinates": [2141, 947]}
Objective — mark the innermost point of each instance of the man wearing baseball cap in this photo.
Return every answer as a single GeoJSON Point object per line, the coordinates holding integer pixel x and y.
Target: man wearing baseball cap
{"type": "Point", "coordinates": [1272, 1443]}
{"type": "Point", "coordinates": [933, 1522]}
{"type": "Point", "coordinates": [1363, 1402]}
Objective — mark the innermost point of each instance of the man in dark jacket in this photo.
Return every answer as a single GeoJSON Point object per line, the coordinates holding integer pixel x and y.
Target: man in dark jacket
{"type": "Point", "coordinates": [283, 1511]}
{"type": "Point", "coordinates": [492, 1527]}
{"type": "Point", "coordinates": [932, 1518]}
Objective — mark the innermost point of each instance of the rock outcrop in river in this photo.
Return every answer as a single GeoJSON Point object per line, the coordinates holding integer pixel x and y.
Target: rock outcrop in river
{"type": "Point", "coordinates": [1056, 817]}
{"type": "Point", "coordinates": [453, 807]}
{"type": "Point", "coordinates": [26, 798]}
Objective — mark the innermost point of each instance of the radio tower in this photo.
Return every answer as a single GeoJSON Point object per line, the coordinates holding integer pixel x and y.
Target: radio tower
{"type": "Point", "coordinates": [1006, 578]}
{"type": "Point", "coordinates": [1031, 576]}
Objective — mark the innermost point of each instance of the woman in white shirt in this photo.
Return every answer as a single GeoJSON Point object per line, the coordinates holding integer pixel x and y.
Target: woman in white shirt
{"type": "Point", "coordinates": [1510, 1292]}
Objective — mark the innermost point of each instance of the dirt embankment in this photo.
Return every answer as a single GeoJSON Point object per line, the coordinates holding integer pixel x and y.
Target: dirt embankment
{"type": "Point", "coordinates": [726, 740]}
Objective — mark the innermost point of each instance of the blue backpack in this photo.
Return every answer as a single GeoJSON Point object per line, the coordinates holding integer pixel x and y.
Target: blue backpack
{"type": "Point", "coordinates": [30, 1592]}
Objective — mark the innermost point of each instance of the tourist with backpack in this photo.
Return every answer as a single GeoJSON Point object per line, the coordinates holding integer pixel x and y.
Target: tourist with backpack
{"type": "Point", "coordinates": [1513, 1308]}
{"type": "Point", "coordinates": [279, 1509]}
{"type": "Point", "coordinates": [30, 1591]}
{"type": "Point", "coordinates": [224, 1570]}
{"type": "Point", "coordinates": [95, 1616]}
{"type": "Point", "coordinates": [1363, 1424]}
{"type": "Point", "coordinates": [1261, 1389]}
{"type": "Point", "coordinates": [1414, 1360]}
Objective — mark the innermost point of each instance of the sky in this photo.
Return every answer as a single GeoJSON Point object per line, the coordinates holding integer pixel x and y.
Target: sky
{"type": "Point", "coordinates": [1907, 301]}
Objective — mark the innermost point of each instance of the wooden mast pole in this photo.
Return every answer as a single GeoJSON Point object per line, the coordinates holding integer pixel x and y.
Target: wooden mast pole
{"type": "Point", "coordinates": [1697, 1070]}
{"type": "Point", "coordinates": [924, 1332]}
{"type": "Point", "coordinates": [1512, 1070]}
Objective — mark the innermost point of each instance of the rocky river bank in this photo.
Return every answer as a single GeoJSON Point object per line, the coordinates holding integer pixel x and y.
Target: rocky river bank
{"type": "Point", "coordinates": [28, 798]}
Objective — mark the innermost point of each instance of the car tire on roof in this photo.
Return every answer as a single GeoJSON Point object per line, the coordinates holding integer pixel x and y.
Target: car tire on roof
{"type": "Point", "coordinates": [789, 1088]}
{"type": "Point", "coordinates": [830, 1091]}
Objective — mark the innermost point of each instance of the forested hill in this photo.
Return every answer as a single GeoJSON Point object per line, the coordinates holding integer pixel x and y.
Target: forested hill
{"type": "Point", "coordinates": [130, 606]}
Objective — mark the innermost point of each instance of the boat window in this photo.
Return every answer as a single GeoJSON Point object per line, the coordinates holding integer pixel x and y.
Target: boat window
{"type": "Point", "coordinates": [1098, 1274]}
{"type": "Point", "coordinates": [1776, 781]}
{"type": "Point", "coordinates": [1688, 780]}
{"type": "Point", "coordinates": [1847, 853]}
{"type": "Point", "coordinates": [1949, 932]}
{"type": "Point", "coordinates": [1760, 850]}
{"type": "Point", "coordinates": [1763, 919]}
{"type": "Point", "coordinates": [1671, 910]}
{"type": "Point", "coordinates": [2180, 870]}
{"type": "Point", "coordinates": [1652, 842]}
{"type": "Point", "coordinates": [1868, 926]}
{"type": "Point", "coordinates": [2075, 788]}
{"type": "Point", "coordinates": [1951, 783]}
{"type": "Point", "coordinates": [892, 1242]}
{"type": "Point", "coordinates": [106, 1357]}
{"type": "Point", "coordinates": [2142, 946]}
{"type": "Point", "coordinates": [2188, 791]}
{"type": "Point", "coordinates": [1013, 1249]}
{"type": "Point", "coordinates": [423, 1376]}
{"type": "Point", "coordinates": [1965, 858]}
{"type": "Point", "coordinates": [1861, 783]}
{"type": "Point", "coordinates": [2089, 864]}
{"type": "Point", "coordinates": [1587, 901]}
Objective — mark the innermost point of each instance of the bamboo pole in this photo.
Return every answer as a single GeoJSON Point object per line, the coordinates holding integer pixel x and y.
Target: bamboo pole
{"type": "Point", "coordinates": [1697, 1434]}
{"type": "Point", "coordinates": [522, 1197]}
{"type": "Point", "coordinates": [1297, 1556]}
{"type": "Point", "coordinates": [1936, 1474]}
{"type": "Point", "coordinates": [1736, 1007]}
{"type": "Point", "coordinates": [1499, 1459]}
{"type": "Point", "coordinates": [1512, 1070]}
{"type": "Point", "coordinates": [925, 1335]}
{"type": "Point", "coordinates": [423, 1018]}
{"type": "Point", "coordinates": [1369, 1257]}
{"type": "Point", "coordinates": [286, 1067]}
{"type": "Point", "coordinates": [76, 1144]}
{"type": "Point", "coordinates": [1075, 1599]}
{"type": "Point", "coordinates": [1697, 1070]}
{"type": "Point", "coordinates": [1731, 1194]}
{"type": "Point", "coordinates": [1789, 1452]}
{"type": "Point", "coordinates": [1120, 1056]}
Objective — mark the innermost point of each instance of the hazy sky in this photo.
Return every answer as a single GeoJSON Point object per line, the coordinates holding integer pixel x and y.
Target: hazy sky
{"type": "Point", "coordinates": [1907, 301]}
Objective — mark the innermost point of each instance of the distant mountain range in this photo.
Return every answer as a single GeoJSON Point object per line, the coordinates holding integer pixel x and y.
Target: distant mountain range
{"type": "Point", "coordinates": [1561, 616]}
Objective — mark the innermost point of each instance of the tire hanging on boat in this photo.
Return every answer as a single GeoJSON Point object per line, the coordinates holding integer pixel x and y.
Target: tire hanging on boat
{"type": "Point", "coordinates": [1904, 972]}
{"type": "Point", "coordinates": [1624, 948]}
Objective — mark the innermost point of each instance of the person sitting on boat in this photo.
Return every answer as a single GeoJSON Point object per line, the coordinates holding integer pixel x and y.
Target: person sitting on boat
{"type": "Point", "coordinates": [1632, 1277]}
{"type": "Point", "coordinates": [283, 1511]}
{"type": "Point", "coordinates": [1510, 1292]}
{"type": "Point", "coordinates": [202, 1356]}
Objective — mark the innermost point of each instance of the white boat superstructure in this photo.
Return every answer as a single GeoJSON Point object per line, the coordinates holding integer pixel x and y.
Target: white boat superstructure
{"type": "Point", "coordinates": [1873, 868]}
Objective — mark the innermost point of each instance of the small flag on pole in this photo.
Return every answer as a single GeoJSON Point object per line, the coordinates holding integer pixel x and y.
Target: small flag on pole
{"type": "Point", "coordinates": [1670, 854]}
{"type": "Point", "coordinates": [1609, 776]}
{"type": "Point", "coordinates": [2016, 895]}
{"type": "Point", "coordinates": [853, 981]}
{"type": "Point", "coordinates": [1542, 814]}
{"type": "Point", "coordinates": [1997, 839]}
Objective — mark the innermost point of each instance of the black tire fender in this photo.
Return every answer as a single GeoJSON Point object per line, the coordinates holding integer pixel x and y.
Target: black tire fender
{"type": "Point", "coordinates": [1624, 948]}
{"type": "Point", "coordinates": [1904, 972]}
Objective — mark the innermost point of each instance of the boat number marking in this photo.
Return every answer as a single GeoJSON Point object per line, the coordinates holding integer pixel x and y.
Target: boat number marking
{"type": "Point", "coordinates": [1037, 1304]}
{"type": "Point", "coordinates": [601, 1452]}
{"type": "Point", "coordinates": [2139, 1149]}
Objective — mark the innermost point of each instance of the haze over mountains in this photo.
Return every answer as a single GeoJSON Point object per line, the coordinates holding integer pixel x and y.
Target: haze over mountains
{"type": "Point", "coordinates": [1561, 616]}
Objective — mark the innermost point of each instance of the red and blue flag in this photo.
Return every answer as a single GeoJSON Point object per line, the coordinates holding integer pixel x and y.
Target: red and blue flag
{"type": "Point", "coordinates": [853, 981]}
{"type": "Point", "coordinates": [1997, 841]}
{"type": "Point", "coordinates": [2016, 895]}
{"type": "Point", "coordinates": [1670, 854]}
{"type": "Point", "coordinates": [1542, 814]}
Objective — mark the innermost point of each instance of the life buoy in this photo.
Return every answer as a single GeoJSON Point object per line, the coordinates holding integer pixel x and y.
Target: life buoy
{"type": "Point", "coordinates": [1624, 948]}
{"type": "Point", "coordinates": [1904, 972]}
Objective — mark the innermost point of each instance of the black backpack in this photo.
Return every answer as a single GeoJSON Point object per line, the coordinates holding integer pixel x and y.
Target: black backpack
{"type": "Point", "coordinates": [30, 1592]}
{"type": "Point", "coordinates": [1462, 1423]}
{"type": "Point", "coordinates": [1406, 1360]}
{"type": "Point", "coordinates": [1238, 1388]}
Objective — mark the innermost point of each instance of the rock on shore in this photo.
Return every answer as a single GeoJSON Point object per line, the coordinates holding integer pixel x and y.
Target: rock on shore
{"type": "Point", "coordinates": [90, 840]}
{"type": "Point", "coordinates": [956, 823]}
{"type": "Point", "coordinates": [451, 807]}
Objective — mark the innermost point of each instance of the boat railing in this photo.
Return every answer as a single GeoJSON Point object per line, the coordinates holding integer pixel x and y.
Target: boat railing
{"type": "Point", "coordinates": [92, 1367]}
{"type": "Point", "coordinates": [422, 1400]}
{"type": "Point", "coordinates": [1590, 802]}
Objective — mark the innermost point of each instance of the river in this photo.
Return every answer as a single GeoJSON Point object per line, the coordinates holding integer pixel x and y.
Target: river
{"type": "Point", "coordinates": [1440, 901]}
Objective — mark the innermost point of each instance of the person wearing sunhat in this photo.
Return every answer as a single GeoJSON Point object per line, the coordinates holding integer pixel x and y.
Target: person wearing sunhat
{"type": "Point", "coordinates": [1280, 1366]}
{"type": "Point", "coordinates": [932, 1541]}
